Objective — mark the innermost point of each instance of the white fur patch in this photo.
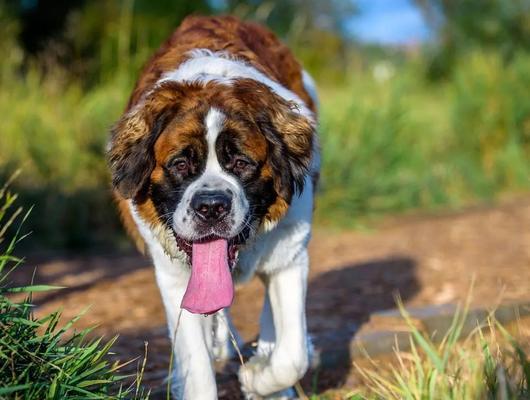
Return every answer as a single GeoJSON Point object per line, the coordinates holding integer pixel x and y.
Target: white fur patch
{"type": "Point", "coordinates": [205, 65]}
{"type": "Point", "coordinates": [214, 124]}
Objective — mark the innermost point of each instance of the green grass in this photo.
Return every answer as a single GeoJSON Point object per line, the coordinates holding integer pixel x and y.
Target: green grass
{"type": "Point", "coordinates": [39, 358]}
{"type": "Point", "coordinates": [488, 364]}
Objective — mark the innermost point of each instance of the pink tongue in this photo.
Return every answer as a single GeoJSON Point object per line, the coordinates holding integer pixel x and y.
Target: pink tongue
{"type": "Point", "coordinates": [210, 287]}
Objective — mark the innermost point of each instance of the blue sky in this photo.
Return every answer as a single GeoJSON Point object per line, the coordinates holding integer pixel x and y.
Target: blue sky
{"type": "Point", "coordinates": [388, 22]}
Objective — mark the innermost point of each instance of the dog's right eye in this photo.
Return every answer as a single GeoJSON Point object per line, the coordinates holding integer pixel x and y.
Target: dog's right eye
{"type": "Point", "coordinates": [180, 165]}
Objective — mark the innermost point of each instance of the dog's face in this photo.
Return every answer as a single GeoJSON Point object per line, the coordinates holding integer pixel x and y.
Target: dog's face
{"type": "Point", "coordinates": [211, 176]}
{"type": "Point", "coordinates": [211, 160]}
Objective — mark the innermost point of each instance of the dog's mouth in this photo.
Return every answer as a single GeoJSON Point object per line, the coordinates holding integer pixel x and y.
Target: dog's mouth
{"type": "Point", "coordinates": [210, 287]}
{"type": "Point", "coordinates": [234, 244]}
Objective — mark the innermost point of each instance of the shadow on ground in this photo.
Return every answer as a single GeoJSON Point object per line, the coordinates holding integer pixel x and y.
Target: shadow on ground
{"type": "Point", "coordinates": [341, 300]}
{"type": "Point", "coordinates": [75, 274]}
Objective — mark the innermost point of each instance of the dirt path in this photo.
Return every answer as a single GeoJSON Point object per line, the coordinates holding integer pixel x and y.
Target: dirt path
{"type": "Point", "coordinates": [429, 260]}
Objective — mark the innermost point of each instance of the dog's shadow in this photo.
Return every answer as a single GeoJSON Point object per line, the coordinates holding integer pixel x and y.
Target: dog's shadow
{"type": "Point", "coordinates": [341, 300]}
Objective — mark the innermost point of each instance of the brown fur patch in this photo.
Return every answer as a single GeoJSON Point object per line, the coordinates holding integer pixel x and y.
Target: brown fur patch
{"type": "Point", "coordinates": [276, 211]}
{"type": "Point", "coordinates": [130, 157]}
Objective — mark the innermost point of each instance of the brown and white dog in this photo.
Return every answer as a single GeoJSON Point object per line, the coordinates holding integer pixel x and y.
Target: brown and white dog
{"type": "Point", "coordinates": [214, 164]}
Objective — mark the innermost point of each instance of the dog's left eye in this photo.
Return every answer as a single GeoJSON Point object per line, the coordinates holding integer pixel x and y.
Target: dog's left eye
{"type": "Point", "coordinates": [240, 164]}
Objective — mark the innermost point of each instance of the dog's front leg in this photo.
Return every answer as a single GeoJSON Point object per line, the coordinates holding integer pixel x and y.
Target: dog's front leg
{"type": "Point", "coordinates": [193, 375]}
{"type": "Point", "coordinates": [266, 374]}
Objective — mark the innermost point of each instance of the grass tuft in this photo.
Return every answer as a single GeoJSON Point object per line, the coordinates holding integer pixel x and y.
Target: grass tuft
{"type": "Point", "coordinates": [488, 364]}
{"type": "Point", "coordinates": [39, 357]}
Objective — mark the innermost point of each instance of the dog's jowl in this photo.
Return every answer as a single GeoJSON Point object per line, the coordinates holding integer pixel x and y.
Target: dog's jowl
{"type": "Point", "coordinates": [213, 165]}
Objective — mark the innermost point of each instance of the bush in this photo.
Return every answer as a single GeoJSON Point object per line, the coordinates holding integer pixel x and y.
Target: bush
{"type": "Point", "coordinates": [490, 117]}
{"type": "Point", "coordinates": [403, 143]}
{"type": "Point", "coordinates": [40, 359]}
{"type": "Point", "coordinates": [376, 148]}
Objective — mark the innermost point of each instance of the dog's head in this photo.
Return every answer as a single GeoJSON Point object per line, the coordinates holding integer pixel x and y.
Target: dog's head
{"type": "Point", "coordinates": [211, 160]}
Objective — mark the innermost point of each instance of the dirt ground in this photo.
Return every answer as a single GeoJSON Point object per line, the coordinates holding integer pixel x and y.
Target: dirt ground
{"type": "Point", "coordinates": [426, 260]}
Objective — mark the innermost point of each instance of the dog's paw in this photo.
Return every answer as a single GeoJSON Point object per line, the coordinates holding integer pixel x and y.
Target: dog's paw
{"type": "Point", "coordinates": [271, 377]}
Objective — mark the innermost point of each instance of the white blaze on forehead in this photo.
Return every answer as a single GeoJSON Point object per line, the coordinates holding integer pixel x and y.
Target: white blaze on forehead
{"type": "Point", "coordinates": [213, 173]}
{"type": "Point", "coordinates": [214, 125]}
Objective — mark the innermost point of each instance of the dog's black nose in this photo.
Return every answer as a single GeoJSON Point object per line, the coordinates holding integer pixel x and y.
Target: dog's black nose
{"type": "Point", "coordinates": [211, 206]}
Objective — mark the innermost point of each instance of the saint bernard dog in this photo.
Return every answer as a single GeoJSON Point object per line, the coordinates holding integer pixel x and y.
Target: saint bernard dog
{"type": "Point", "coordinates": [214, 164]}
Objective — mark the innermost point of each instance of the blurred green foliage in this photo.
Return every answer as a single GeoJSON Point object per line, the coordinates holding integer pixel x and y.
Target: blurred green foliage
{"type": "Point", "coordinates": [403, 142]}
{"type": "Point", "coordinates": [495, 25]}
{"type": "Point", "coordinates": [93, 39]}
{"type": "Point", "coordinates": [392, 138]}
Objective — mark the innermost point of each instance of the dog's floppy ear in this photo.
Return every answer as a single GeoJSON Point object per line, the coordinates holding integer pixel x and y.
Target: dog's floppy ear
{"type": "Point", "coordinates": [289, 128]}
{"type": "Point", "coordinates": [130, 153]}
{"type": "Point", "coordinates": [290, 137]}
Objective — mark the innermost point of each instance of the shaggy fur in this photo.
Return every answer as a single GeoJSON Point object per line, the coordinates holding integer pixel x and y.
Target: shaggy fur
{"type": "Point", "coordinates": [223, 105]}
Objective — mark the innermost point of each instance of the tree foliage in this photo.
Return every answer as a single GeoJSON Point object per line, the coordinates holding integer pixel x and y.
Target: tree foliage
{"type": "Point", "coordinates": [461, 25]}
{"type": "Point", "coordinates": [91, 38]}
